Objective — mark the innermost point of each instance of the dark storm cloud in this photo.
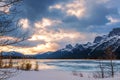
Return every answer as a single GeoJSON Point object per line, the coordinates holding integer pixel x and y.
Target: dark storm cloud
{"type": "Point", "coordinates": [37, 9]}
{"type": "Point", "coordinates": [96, 14]}
{"type": "Point", "coordinates": [97, 17]}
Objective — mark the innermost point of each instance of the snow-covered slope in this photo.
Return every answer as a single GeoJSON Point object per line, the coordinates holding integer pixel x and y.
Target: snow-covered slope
{"type": "Point", "coordinates": [112, 39]}
{"type": "Point", "coordinates": [12, 54]}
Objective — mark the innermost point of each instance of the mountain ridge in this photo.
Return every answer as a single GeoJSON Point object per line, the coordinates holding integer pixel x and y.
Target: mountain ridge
{"type": "Point", "coordinates": [88, 50]}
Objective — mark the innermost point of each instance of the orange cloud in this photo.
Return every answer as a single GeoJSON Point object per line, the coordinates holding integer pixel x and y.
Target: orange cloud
{"type": "Point", "coordinates": [52, 36]}
{"type": "Point", "coordinates": [40, 48]}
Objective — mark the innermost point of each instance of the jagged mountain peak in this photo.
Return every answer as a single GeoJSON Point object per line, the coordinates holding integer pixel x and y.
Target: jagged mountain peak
{"type": "Point", "coordinates": [78, 45]}
{"type": "Point", "coordinates": [114, 32]}
{"type": "Point", "coordinates": [98, 39]}
{"type": "Point", "coordinates": [69, 46]}
{"type": "Point", "coordinates": [88, 44]}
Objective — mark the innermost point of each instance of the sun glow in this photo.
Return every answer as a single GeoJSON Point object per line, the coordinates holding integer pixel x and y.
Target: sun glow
{"type": "Point", "coordinates": [32, 50]}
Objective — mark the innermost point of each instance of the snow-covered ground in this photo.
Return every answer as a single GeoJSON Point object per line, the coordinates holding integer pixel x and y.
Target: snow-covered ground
{"type": "Point", "coordinates": [66, 70]}
{"type": "Point", "coordinates": [56, 75]}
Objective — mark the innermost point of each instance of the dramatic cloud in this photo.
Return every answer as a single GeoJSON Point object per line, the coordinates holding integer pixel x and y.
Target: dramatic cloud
{"type": "Point", "coordinates": [75, 8]}
{"type": "Point", "coordinates": [56, 23]}
{"type": "Point", "coordinates": [47, 39]}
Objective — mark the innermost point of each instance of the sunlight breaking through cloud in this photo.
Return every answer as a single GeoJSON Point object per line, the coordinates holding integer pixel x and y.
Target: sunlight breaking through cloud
{"type": "Point", "coordinates": [51, 38]}
{"type": "Point", "coordinates": [56, 23]}
{"type": "Point", "coordinates": [45, 22]}
{"type": "Point", "coordinates": [74, 8]}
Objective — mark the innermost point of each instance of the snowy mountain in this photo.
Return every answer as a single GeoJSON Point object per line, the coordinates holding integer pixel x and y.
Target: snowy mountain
{"type": "Point", "coordinates": [12, 54]}
{"type": "Point", "coordinates": [89, 50]}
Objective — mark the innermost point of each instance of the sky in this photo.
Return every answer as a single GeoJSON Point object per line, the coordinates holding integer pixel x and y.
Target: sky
{"type": "Point", "coordinates": [52, 24]}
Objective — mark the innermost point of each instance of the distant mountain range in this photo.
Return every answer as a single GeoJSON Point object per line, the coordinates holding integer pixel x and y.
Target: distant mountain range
{"type": "Point", "coordinates": [15, 55]}
{"type": "Point", "coordinates": [12, 54]}
{"type": "Point", "coordinates": [89, 50]}
{"type": "Point", "coordinates": [95, 49]}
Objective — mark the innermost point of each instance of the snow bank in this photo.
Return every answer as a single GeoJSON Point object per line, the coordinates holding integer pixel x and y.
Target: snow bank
{"type": "Point", "coordinates": [56, 75]}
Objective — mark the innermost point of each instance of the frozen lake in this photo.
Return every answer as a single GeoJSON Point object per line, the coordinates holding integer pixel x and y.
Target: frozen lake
{"type": "Point", "coordinates": [77, 65]}
{"type": "Point", "coordinates": [72, 64]}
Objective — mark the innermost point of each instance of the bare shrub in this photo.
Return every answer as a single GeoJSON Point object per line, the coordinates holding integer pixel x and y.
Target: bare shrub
{"type": "Point", "coordinates": [9, 25]}
{"type": "Point", "coordinates": [80, 74]}
{"type": "Point", "coordinates": [28, 66]}
{"type": "Point", "coordinates": [110, 55]}
{"type": "Point", "coordinates": [75, 73]}
{"type": "Point", "coordinates": [36, 66]}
